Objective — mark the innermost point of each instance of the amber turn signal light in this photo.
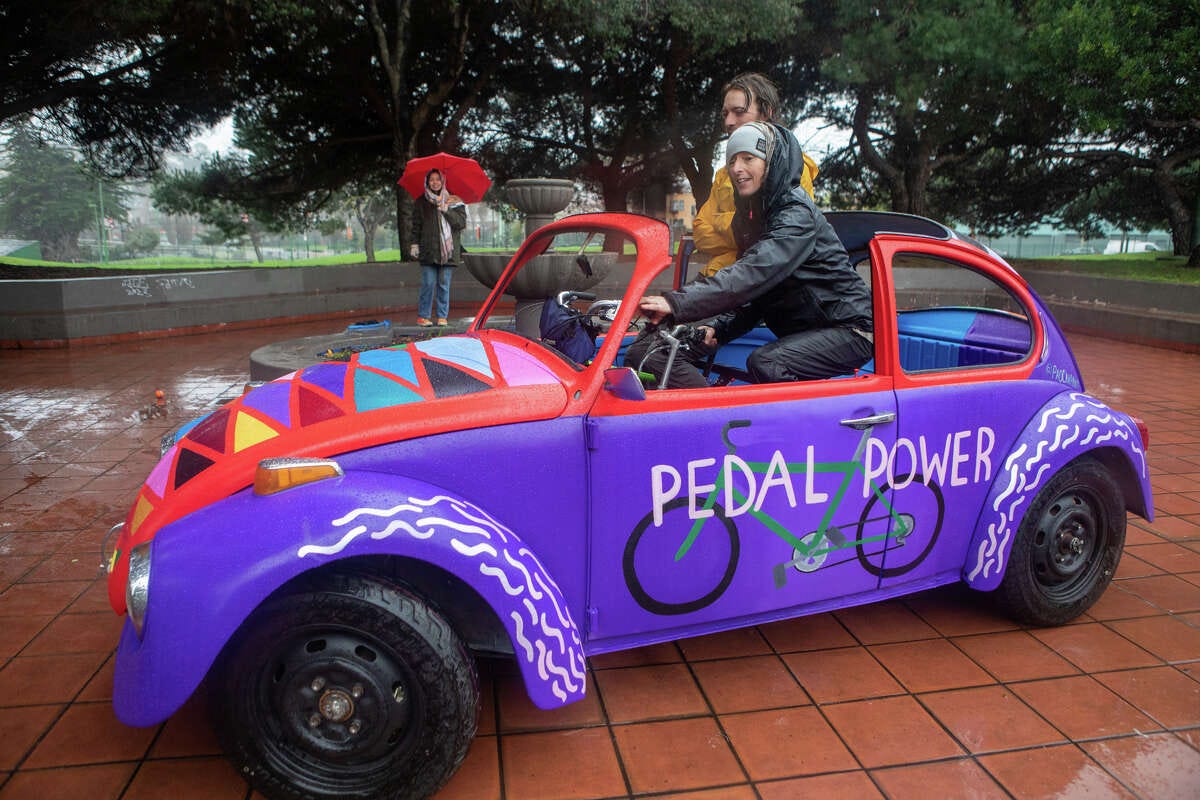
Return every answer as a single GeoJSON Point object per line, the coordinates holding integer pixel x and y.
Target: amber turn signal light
{"type": "Point", "coordinates": [276, 474]}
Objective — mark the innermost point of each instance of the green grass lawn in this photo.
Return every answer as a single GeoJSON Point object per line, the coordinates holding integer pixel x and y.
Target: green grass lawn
{"type": "Point", "coordinates": [151, 263]}
{"type": "Point", "coordinates": [179, 262]}
{"type": "Point", "coordinates": [1134, 266]}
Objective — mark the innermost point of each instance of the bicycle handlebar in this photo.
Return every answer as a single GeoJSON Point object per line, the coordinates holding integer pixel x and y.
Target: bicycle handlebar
{"type": "Point", "coordinates": [568, 297]}
{"type": "Point", "coordinates": [733, 423]}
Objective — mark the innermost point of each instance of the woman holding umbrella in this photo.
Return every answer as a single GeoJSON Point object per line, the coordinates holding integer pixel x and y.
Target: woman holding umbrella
{"type": "Point", "coordinates": [438, 221]}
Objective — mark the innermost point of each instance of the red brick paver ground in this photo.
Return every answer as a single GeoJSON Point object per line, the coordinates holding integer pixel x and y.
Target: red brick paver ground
{"type": "Point", "coordinates": [928, 696]}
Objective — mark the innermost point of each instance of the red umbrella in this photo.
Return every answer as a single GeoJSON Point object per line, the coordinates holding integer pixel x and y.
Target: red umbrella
{"type": "Point", "coordinates": [463, 176]}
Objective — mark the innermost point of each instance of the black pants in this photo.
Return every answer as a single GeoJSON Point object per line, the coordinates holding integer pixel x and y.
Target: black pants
{"type": "Point", "coordinates": [810, 355]}
{"type": "Point", "coordinates": [649, 353]}
{"type": "Point", "coordinates": [804, 356]}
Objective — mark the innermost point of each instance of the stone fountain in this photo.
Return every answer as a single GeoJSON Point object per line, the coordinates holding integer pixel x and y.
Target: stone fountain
{"type": "Point", "coordinates": [544, 276]}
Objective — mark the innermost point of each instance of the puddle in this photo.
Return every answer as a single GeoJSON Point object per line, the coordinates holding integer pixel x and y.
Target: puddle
{"type": "Point", "coordinates": [159, 408]}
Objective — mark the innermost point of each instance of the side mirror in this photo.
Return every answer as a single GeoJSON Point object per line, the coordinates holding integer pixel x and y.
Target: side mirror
{"type": "Point", "coordinates": [624, 383]}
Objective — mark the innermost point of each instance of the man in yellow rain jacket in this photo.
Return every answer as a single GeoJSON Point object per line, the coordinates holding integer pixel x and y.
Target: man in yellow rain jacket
{"type": "Point", "coordinates": [749, 97]}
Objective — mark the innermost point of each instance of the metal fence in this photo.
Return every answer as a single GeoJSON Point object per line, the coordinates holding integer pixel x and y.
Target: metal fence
{"type": "Point", "coordinates": [1048, 245]}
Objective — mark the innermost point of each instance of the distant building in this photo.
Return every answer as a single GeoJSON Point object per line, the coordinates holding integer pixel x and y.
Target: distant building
{"type": "Point", "coordinates": [681, 211]}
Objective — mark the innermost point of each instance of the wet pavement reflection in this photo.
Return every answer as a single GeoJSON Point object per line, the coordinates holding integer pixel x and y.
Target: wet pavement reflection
{"type": "Point", "coordinates": [926, 696]}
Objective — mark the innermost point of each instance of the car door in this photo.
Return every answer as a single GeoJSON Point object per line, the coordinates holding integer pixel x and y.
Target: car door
{"type": "Point", "coordinates": [966, 339]}
{"type": "Point", "coordinates": [715, 507]}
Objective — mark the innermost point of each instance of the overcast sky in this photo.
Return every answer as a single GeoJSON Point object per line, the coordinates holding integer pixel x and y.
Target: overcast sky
{"type": "Point", "coordinates": [816, 139]}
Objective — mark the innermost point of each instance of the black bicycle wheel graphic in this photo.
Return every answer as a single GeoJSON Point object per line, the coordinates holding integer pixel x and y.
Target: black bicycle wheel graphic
{"type": "Point", "coordinates": [897, 555]}
{"type": "Point", "coordinates": [693, 582]}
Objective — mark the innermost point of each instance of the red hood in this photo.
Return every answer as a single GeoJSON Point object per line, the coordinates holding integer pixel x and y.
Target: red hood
{"type": "Point", "coordinates": [379, 396]}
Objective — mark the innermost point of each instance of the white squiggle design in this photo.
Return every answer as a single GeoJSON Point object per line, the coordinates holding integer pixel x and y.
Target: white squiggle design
{"type": "Point", "coordinates": [1074, 435]}
{"type": "Point", "coordinates": [458, 526]}
{"type": "Point", "coordinates": [1058, 413]}
{"type": "Point", "coordinates": [1081, 412]}
{"type": "Point", "coordinates": [578, 669]}
{"type": "Point", "coordinates": [472, 550]}
{"type": "Point", "coordinates": [542, 628]}
{"type": "Point", "coordinates": [547, 666]}
{"type": "Point", "coordinates": [350, 536]}
{"type": "Point", "coordinates": [375, 512]}
{"type": "Point", "coordinates": [1058, 437]}
{"type": "Point", "coordinates": [554, 632]}
{"type": "Point", "coordinates": [519, 624]}
{"type": "Point", "coordinates": [534, 592]}
{"type": "Point", "coordinates": [1041, 448]}
{"type": "Point", "coordinates": [499, 575]}
{"type": "Point", "coordinates": [399, 524]}
{"type": "Point", "coordinates": [565, 621]}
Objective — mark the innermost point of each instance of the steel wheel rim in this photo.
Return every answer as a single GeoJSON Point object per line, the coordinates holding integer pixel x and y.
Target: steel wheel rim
{"type": "Point", "coordinates": [338, 705]}
{"type": "Point", "coordinates": [1069, 544]}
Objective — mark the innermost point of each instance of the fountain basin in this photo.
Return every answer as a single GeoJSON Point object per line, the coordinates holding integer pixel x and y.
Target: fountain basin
{"type": "Point", "coordinates": [543, 276]}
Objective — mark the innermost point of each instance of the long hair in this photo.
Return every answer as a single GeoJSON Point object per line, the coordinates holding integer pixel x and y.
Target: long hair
{"type": "Point", "coordinates": [760, 90]}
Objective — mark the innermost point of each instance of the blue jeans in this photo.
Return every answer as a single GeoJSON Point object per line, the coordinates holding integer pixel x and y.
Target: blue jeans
{"type": "Point", "coordinates": [434, 275]}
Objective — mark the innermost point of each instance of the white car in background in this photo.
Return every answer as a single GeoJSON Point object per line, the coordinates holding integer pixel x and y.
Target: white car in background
{"type": "Point", "coordinates": [1114, 246]}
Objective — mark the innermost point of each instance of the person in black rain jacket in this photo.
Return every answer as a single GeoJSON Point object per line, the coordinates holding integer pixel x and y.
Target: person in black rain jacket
{"type": "Point", "coordinates": [792, 273]}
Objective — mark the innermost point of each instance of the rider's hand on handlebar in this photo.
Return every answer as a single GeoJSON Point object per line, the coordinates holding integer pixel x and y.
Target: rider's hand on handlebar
{"type": "Point", "coordinates": [710, 336]}
{"type": "Point", "coordinates": [654, 308]}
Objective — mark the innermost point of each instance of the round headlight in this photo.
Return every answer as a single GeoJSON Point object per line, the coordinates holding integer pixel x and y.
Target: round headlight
{"type": "Point", "coordinates": [137, 587]}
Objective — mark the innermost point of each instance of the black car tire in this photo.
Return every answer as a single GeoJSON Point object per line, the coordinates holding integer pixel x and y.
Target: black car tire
{"type": "Point", "coordinates": [1066, 549]}
{"type": "Point", "coordinates": [347, 688]}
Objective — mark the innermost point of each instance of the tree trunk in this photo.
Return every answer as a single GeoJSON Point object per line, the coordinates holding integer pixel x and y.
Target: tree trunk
{"type": "Point", "coordinates": [616, 198]}
{"type": "Point", "coordinates": [612, 189]}
{"type": "Point", "coordinates": [1194, 256]}
{"type": "Point", "coordinates": [369, 229]}
{"type": "Point", "coordinates": [1182, 222]}
{"type": "Point", "coordinates": [916, 183]}
{"type": "Point", "coordinates": [697, 169]}
{"type": "Point", "coordinates": [64, 247]}
{"type": "Point", "coordinates": [901, 201]}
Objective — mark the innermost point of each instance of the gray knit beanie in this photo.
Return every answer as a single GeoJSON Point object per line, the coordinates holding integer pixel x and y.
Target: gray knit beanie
{"type": "Point", "coordinates": [755, 138]}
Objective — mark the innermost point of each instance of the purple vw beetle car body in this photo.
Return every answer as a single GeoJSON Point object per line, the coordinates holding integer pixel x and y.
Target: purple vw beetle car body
{"type": "Point", "coordinates": [332, 549]}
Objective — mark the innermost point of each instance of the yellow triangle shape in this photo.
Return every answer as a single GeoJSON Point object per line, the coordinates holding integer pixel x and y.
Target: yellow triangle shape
{"type": "Point", "coordinates": [140, 512]}
{"type": "Point", "coordinates": [249, 431]}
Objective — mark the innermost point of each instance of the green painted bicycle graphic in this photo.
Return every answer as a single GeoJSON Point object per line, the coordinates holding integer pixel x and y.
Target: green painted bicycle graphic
{"type": "Point", "coordinates": [885, 542]}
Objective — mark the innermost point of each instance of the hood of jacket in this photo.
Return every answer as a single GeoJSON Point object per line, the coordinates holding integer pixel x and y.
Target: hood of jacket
{"type": "Point", "coordinates": [784, 169]}
{"type": "Point", "coordinates": [785, 166]}
{"type": "Point", "coordinates": [792, 271]}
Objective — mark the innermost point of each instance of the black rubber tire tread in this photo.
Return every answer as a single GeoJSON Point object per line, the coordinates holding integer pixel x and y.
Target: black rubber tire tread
{"type": "Point", "coordinates": [1020, 595]}
{"type": "Point", "coordinates": [391, 616]}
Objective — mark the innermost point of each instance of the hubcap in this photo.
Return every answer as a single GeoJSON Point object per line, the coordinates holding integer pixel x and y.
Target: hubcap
{"type": "Point", "coordinates": [336, 706]}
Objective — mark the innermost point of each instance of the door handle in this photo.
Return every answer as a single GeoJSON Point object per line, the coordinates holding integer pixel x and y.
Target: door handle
{"type": "Point", "coordinates": [863, 423]}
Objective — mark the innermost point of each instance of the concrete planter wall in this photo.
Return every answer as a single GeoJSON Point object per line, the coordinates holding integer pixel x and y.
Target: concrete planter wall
{"type": "Point", "coordinates": [1160, 314]}
{"type": "Point", "coordinates": [55, 312]}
